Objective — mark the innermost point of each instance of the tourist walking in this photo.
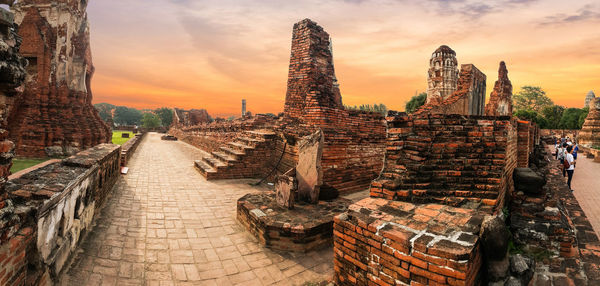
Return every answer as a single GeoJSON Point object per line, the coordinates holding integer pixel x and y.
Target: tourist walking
{"type": "Point", "coordinates": [575, 150]}
{"type": "Point", "coordinates": [560, 155]}
{"type": "Point", "coordinates": [569, 165]}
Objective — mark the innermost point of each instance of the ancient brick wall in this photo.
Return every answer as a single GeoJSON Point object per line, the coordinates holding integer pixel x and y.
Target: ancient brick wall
{"type": "Point", "coordinates": [448, 159]}
{"type": "Point", "coordinates": [524, 145]}
{"type": "Point", "coordinates": [382, 242]}
{"type": "Point", "coordinates": [211, 136]}
{"type": "Point", "coordinates": [55, 109]}
{"type": "Point", "coordinates": [128, 149]}
{"type": "Point", "coordinates": [56, 203]}
{"type": "Point", "coordinates": [550, 224]}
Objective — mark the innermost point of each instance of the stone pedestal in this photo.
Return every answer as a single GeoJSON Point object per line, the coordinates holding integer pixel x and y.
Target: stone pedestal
{"type": "Point", "coordinates": [307, 227]}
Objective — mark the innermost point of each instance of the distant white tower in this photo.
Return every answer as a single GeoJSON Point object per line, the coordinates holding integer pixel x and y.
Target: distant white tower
{"type": "Point", "coordinates": [243, 107]}
{"type": "Point", "coordinates": [589, 98]}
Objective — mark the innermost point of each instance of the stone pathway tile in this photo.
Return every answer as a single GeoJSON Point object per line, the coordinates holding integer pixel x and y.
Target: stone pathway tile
{"type": "Point", "coordinates": [166, 225]}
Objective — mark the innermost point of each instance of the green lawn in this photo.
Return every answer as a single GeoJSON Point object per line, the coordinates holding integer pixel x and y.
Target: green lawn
{"type": "Point", "coordinates": [22, 164]}
{"type": "Point", "coordinates": [117, 139]}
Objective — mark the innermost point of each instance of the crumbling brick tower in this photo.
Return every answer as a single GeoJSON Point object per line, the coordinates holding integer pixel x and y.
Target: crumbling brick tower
{"type": "Point", "coordinates": [311, 76]}
{"type": "Point", "coordinates": [55, 110]}
{"type": "Point", "coordinates": [442, 78]}
{"type": "Point", "coordinates": [500, 103]}
{"type": "Point", "coordinates": [451, 92]}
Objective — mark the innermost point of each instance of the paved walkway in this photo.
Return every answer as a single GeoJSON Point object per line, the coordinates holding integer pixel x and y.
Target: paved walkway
{"type": "Point", "coordinates": [586, 187]}
{"type": "Point", "coordinates": [166, 225]}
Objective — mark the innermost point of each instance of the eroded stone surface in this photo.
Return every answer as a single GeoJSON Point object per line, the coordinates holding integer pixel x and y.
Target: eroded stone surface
{"type": "Point", "coordinates": [286, 189]}
{"type": "Point", "coordinates": [55, 108]}
{"type": "Point", "coordinates": [309, 172]}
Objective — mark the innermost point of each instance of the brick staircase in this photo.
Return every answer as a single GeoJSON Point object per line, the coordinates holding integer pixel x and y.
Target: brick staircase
{"type": "Point", "coordinates": [246, 157]}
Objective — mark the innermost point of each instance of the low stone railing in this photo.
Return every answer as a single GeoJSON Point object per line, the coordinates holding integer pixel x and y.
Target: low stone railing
{"type": "Point", "coordinates": [54, 207]}
{"type": "Point", "coordinates": [129, 148]}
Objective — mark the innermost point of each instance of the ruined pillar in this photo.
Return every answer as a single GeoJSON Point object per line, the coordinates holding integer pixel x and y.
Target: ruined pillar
{"type": "Point", "coordinates": [310, 87]}
{"type": "Point", "coordinates": [55, 109]}
{"type": "Point", "coordinates": [243, 107]}
{"type": "Point", "coordinates": [500, 103]}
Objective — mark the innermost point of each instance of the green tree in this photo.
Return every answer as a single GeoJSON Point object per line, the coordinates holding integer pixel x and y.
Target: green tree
{"type": "Point", "coordinates": [532, 116]}
{"type": "Point", "coordinates": [553, 114]}
{"type": "Point", "coordinates": [150, 120]}
{"type": "Point", "coordinates": [570, 118]}
{"type": "Point", "coordinates": [415, 102]}
{"type": "Point", "coordinates": [531, 98]}
{"type": "Point", "coordinates": [127, 116]}
{"type": "Point", "coordinates": [166, 115]}
{"type": "Point", "coordinates": [379, 108]}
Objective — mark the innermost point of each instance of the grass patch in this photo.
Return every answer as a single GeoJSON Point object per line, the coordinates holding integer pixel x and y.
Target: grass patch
{"type": "Point", "coordinates": [118, 139]}
{"type": "Point", "coordinates": [22, 164]}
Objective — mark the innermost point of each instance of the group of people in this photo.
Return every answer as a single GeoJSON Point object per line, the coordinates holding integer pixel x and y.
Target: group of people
{"type": "Point", "coordinates": [566, 153]}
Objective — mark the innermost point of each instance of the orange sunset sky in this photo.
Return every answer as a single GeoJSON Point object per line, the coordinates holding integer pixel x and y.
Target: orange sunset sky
{"type": "Point", "coordinates": [212, 53]}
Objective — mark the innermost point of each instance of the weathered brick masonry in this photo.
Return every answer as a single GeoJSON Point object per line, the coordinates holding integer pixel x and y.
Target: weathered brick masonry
{"type": "Point", "coordinates": [55, 206]}
{"type": "Point", "coordinates": [383, 242]}
{"type": "Point", "coordinates": [354, 141]}
{"type": "Point", "coordinates": [448, 159]}
{"type": "Point", "coordinates": [55, 110]}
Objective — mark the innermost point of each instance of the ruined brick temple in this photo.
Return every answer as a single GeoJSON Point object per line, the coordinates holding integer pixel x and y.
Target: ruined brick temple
{"type": "Point", "coordinates": [253, 146]}
{"type": "Point", "coordinates": [441, 180]}
{"type": "Point", "coordinates": [54, 114]}
{"type": "Point", "coordinates": [589, 136]}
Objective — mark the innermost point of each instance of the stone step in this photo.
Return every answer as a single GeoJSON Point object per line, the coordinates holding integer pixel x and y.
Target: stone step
{"type": "Point", "coordinates": [206, 170]}
{"type": "Point", "coordinates": [215, 163]}
{"type": "Point", "coordinates": [265, 134]}
{"type": "Point", "coordinates": [252, 142]}
{"type": "Point", "coordinates": [233, 153]}
{"type": "Point", "coordinates": [240, 147]}
{"type": "Point", "coordinates": [224, 157]}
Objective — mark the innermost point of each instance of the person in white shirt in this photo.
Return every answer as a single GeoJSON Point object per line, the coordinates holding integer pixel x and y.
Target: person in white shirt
{"type": "Point", "coordinates": [560, 154]}
{"type": "Point", "coordinates": [571, 169]}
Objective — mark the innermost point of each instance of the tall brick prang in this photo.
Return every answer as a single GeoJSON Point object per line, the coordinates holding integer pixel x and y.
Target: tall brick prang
{"type": "Point", "coordinates": [468, 99]}
{"type": "Point", "coordinates": [442, 78]}
{"type": "Point", "coordinates": [500, 103]}
{"type": "Point", "coordinates": [589, 136]}
{"type": "Point", "coordinates": [310, 86]}
{"type": "Point", "coordinates": [55, 110]}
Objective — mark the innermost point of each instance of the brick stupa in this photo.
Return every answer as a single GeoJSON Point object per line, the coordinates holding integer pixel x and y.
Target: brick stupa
{"type": "Point", "coordinates": [589, 136]}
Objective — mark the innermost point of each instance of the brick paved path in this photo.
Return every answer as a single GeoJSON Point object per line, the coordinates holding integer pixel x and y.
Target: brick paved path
{"type": "Point", "coordinates": [586, 187]}
{"type": "Point", "coordinates": [166, 225]}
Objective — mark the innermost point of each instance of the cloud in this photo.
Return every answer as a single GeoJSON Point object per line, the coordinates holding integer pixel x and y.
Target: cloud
{"type": "Point", "coordinates": [588, 12]}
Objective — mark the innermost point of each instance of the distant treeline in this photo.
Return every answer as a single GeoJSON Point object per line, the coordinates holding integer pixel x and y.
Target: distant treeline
{"type": "Point", "coordinates": [123, 115]}
{"type": "Point", "coordinates": [379, 108]}
{"type": "Point", "coordinates": [531, 103]}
